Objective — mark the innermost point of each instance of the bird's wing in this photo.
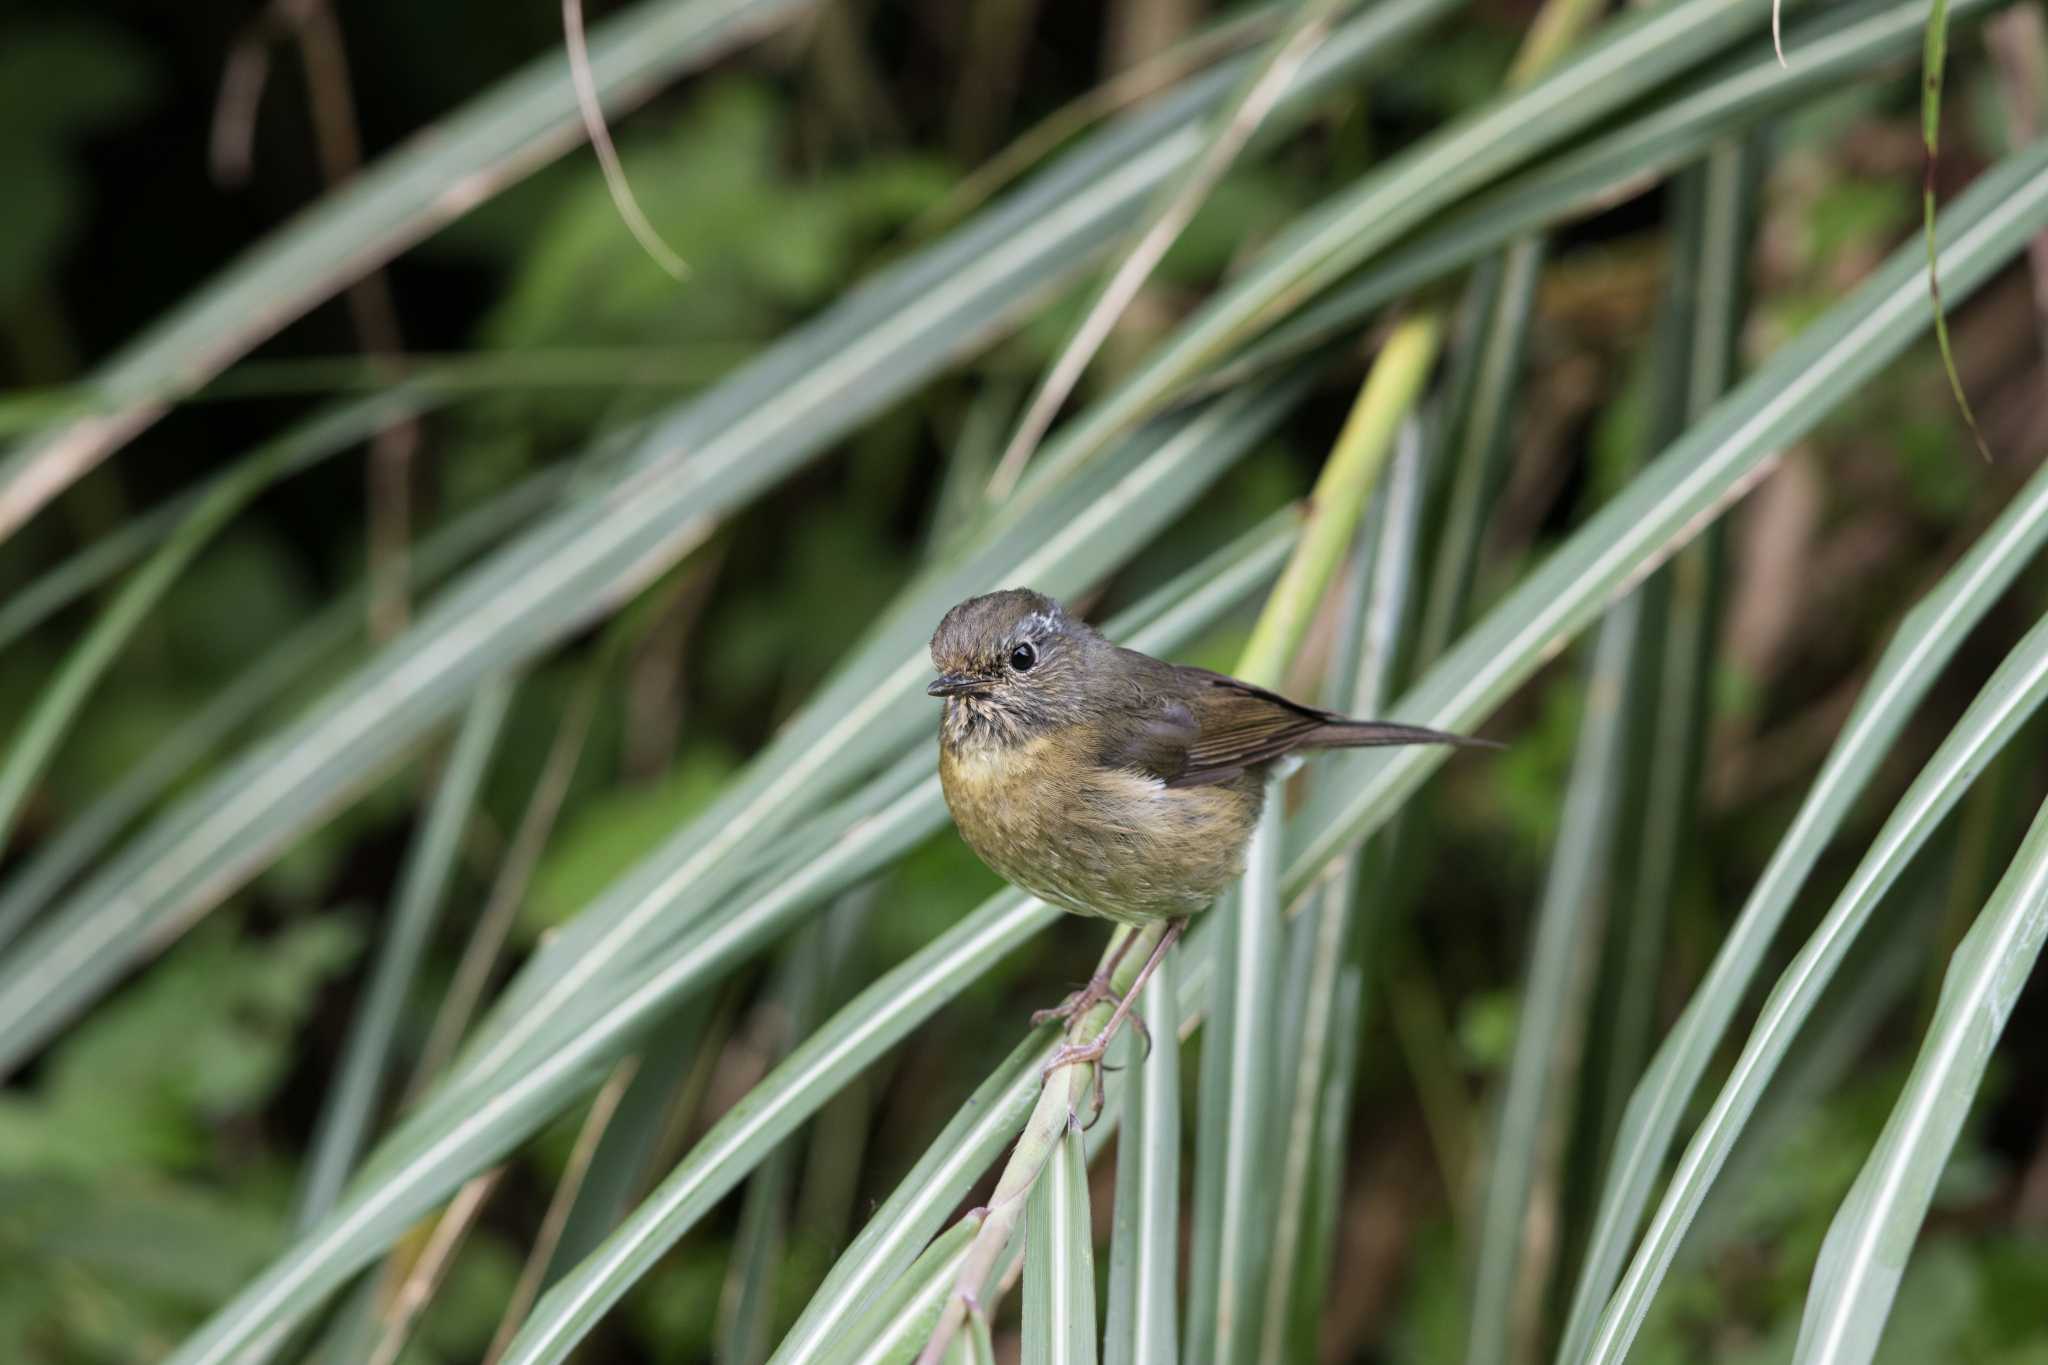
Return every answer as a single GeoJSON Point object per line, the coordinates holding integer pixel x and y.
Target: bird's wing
{"type": "Point", "coordinates": [1203, 727]}
{"type": "Point", "coordinates": [1241, 726]}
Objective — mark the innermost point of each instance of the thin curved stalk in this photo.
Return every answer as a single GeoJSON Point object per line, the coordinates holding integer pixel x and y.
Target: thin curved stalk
{"type": "Point", "coordinates": [1285, 55]}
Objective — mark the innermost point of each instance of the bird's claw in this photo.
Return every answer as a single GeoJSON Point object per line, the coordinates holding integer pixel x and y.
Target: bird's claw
{"type": "Point", "coordinates": [1096, 992]}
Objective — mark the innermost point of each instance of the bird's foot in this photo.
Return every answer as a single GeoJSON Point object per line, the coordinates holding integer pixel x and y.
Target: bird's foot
{"type": "Point", "coordinates": [1092, 1053]}
{"type": "Point", "coordinates": [1096, 992]}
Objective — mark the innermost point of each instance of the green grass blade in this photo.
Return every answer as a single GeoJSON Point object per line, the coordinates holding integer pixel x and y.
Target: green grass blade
{"type": "Point", "coordinates": [893, 1329]}
{"type": "Point", "coordinates": [747, 1307]}
{"type": "Point", "coordinates": [1925, 641]}
{"type": "Point", "coordinates": [1144, 1253]}
{"type": "Point", "coordinates": [881, 1016]}
{"type": "Point", "coordinates": [1865, 1253]}
{"type": "Point", "coordinates": [2012, 694]}
{"type": "Point", "coordinates": [1059, 1262]}
{"type": "Point", "coordinates": [234, 710]}
{"type": "Point", "coordinates": [1235, 1182]}
{"type": "Point", "coordinates": [891, 1240]}
{"type": "Point", "coordinates": [1671, 501]}
{"type": "Point", "coordinates": [59, 703]}
{"type": "Point", "coordinates": [1550, 1029]}
{"type": "Point", "coordinates": [1627, 58]}
{"type": "Point", "coordinates": [619, 1169]}
{"type": "Point", "coordinates": [519, 125]}
{"type": "Point", "coordinates": [1844, 44]}
{"type": "Point", "coordinates": [1318, 1149]}
{"type": "Point", "coordinates": [1499, 304]}
{"type": "Point", "coordinates": [350, 1107]}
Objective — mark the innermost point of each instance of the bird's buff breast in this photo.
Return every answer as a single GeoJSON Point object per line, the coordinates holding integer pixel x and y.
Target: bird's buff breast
{"type": "Point", "coordinates": [1094, 840]}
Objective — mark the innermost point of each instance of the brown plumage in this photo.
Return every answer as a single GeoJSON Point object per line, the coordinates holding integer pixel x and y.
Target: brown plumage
{"type": "Point", "coordinates": [1101, 779]}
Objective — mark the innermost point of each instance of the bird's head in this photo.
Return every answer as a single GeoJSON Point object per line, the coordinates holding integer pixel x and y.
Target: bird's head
{"type": "Point", "coordinates": [1010, 663]}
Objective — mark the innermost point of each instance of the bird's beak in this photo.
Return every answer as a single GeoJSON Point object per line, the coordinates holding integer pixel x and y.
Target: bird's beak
{"type": "Point", "coordinates": [954, 684]}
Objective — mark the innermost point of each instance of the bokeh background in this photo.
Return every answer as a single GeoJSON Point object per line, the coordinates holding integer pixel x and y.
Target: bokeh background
{"type": "Point", "coordinates": [149, 1157]}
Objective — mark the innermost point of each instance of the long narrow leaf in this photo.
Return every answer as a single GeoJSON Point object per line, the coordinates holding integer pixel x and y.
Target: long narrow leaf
{"type": "Point", "coordinates": [1144, 1255]}
{"type": "Point", "coordinates": [351, 1105]}
{"type": "Point", "coordinates": [1234, 1180]}
{"type": "Point", "coordinates": [1550, 1029]}
{"type": "Point", "coordinates": [1865, 1252]}
{"type": "Point", "coordinates": [1925, 641]}
{"type": "Point", "coordinates": [233, 711]}
{"type": "Point", "coordinates": [2011, 696]}
{"type": "Point", "coordinates": [1059, 1262]}
{"type": "Point", "coordinates": [58, 704]}
{"type": "Point", "coordinates": [521, 124]}
{"type": "Point", "coordinates": [1671, 501]}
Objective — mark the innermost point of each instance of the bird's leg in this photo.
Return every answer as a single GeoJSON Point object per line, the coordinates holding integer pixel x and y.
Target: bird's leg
{"type": "Point", "coordinates": [1093, 1050]}
{"type": "Point", "coordinates": [1095, 992]}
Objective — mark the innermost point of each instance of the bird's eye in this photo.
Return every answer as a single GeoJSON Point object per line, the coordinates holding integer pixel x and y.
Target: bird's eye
{"type": "Point", "coordinates": [1022, 657]}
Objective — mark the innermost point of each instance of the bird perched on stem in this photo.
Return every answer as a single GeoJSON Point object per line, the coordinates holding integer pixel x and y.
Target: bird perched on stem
{"type": "Point", "coordinates": [1106, 781]}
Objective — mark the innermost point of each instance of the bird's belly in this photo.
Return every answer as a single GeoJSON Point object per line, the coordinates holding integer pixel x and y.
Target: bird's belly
{"type": "Point", "coordinates": [1098, 841]}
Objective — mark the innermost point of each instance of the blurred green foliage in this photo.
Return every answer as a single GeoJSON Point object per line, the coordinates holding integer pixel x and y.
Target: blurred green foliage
{"type": "Point", "coordinates": [147, 1168]}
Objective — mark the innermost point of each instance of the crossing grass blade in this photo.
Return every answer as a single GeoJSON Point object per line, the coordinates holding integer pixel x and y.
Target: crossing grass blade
{"type": "Point", "coordinates": [59, 703]}
{"type": "Point", "coordinates": [1556, 1001]}
{"type": "Point", "coordinates": [234, 710]}
{"type": "Point", "coordinates": [521, 124]}
{"type": "Point", "coordinates": [1663, 508]}
{"type": "Point", "coordinates": [350, 1109]}
{"type": "Point", "coordinates": [1234, 1178]}
{"type": "Point", "coordinates": [1927, 638]}
{"type": "Point", "coordinates": [2013, 693]}
{"type": "Point", "coordinates": [1865, 1253]}
{"type": "Point", "coordinates": [890, 1332]}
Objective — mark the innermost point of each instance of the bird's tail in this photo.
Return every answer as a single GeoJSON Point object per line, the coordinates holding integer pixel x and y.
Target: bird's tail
{"type": "Point", "coordinates": [1365, 734]}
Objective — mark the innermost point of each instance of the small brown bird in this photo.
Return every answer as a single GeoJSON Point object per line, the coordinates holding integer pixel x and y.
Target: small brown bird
{"type": "Point", "coordinates": [1106, 781]}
